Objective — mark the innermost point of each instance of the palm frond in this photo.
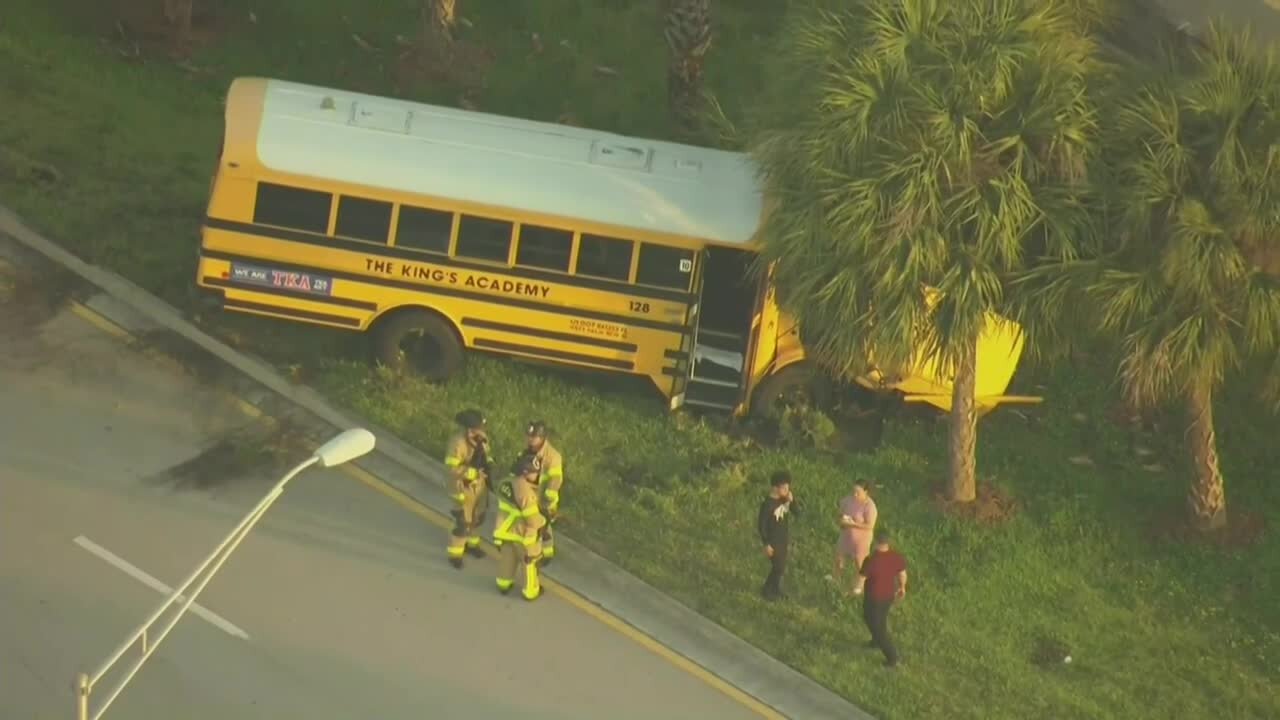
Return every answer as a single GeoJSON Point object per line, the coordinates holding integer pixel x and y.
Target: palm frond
{"type": "Point", "coordinates": [915, 144]}
{"type": "Point", "coordinates": [1198, 201]}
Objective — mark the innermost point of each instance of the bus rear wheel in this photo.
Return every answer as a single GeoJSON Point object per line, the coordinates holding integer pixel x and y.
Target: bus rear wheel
{"type": "Point", "coordinates": [420, 343]}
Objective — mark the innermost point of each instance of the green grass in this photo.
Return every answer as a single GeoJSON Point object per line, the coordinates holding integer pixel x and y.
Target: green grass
{"type": "Point", "coordinates": [1157, 630]}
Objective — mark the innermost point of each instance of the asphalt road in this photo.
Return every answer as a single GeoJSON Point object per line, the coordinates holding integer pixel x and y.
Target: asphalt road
{"type": "Point", "coordinates": [338, 606]}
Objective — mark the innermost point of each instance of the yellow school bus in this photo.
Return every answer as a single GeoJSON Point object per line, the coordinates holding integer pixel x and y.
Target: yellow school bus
{"type": "Point", "coordinates": [439, 231]}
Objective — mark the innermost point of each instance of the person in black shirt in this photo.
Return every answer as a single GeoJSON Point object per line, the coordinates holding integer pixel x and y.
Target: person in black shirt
{"type": "Point", "coordinates": [774, 526]}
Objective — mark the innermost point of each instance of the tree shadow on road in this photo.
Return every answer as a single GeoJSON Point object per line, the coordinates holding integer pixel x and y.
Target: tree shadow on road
{"type": "Point", "coordinates": [253, 454]}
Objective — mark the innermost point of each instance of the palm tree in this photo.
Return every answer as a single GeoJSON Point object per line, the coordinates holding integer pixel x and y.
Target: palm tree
{"type": "Point", "coordinates": [910, 145]}
{"type": "Point", "coordinates": [687, 28]}
{"type": "Point", "coordinates": [1193, 286]}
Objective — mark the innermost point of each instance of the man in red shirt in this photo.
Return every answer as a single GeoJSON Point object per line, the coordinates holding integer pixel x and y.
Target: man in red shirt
{"type": "Point", "coordinates": [886, 574]}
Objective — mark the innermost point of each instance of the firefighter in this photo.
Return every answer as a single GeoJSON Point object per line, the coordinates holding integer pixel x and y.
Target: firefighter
{"type": "Point", "coordinates": [518, 529]}
{"type": "Point", "coordinates": [550, 481]}
{"type": "Point", "coordinates": [467, 458]}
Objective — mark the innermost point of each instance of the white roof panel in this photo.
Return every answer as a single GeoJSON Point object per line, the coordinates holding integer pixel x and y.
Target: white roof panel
{"type": "Point", "coordinates": [531, 166]}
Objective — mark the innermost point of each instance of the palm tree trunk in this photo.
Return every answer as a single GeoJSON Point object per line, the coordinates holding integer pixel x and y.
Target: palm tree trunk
{"type": "Point", "coordinates": [688, 36]}
{"type": "Point", "coordinates": [684, 92]}
{"type": "Point", "coordinates": [438, 19]}
{"type": "Point", "coordinates": [1207, 499]}
{"type": "Point", "coordinates": [962, 483]}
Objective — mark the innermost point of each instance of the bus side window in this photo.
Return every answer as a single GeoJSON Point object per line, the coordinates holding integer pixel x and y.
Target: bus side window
{"type": "Point", "coordinates": [363, 219]}
{"type": "Point", "coordinates": [484, 239]}
{"type": "Point", "coordinates": [424, 229]}
{"type": "Point", "coordinates": [604, 257]}
{"type": "Point", "coordinates": [291, 207]}
{"type": "Point", "coordinates": [544, 247]}
{"type": "Point", "coordinates": [665, 267]}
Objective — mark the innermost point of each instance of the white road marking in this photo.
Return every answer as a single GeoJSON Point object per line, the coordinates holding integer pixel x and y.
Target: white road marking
{"type": "Point", "coordinates": [141, 576]}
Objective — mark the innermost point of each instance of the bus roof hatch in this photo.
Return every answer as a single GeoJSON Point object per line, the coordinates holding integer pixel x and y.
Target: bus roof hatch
{"type": "Point", "coordinates": [380, 117]}
{"type": "Point", "coordinates": [617, 155]}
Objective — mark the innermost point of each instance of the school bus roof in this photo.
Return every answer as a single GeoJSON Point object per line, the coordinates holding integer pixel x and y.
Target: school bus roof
{"type": "Point", "coordinates": [535, 167]}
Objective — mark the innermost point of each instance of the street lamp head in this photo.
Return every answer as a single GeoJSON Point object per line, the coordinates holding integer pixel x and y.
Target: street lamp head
{"type": "Point", "coordinates": [345, 447]}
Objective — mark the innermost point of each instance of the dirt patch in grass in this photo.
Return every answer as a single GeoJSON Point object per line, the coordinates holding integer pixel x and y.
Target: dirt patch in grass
{"type": "Point", "coordinates": [993, 506]}
{"type": "Point", "coordinates": [463, 68]}
{"type": "Point", "coordinates": [137, 30]}
{"type": "Point", "coordinates": [1245, 529]}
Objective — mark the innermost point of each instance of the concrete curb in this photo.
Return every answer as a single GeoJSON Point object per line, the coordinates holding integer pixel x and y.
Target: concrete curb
{"type": "Point", "coordinates": [407, 469]}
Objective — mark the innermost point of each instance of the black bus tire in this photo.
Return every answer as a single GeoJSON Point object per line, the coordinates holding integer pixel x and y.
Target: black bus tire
{"type": "Point", "coordinates": [802, 377]}
{"type": "Point", "coordinates": [434, 352]}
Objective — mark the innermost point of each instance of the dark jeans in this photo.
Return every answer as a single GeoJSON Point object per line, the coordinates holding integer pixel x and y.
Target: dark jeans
{"type": "Point", "coordinates": [777, 566]}
{"type": "Point", "coordinates": [875, 613]}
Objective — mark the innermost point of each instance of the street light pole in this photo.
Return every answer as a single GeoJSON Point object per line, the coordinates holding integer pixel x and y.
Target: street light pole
{"type": "Point", "coordinates": [345, 447]}
{"type": "Point", "coordinates": [82, 696]}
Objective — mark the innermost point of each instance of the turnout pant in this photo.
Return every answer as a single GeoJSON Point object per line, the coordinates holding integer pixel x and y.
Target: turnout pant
{"type": "Point", "coordinates": [471, 504]}
{"type": "Point", "coordinates": [875, 613]}
{"type": "Point", "coordinates": [777, 567]}
{"type": "Point", "coordinates": [515, 557]}
{"type": "Point", "coordinates": [548, 542]}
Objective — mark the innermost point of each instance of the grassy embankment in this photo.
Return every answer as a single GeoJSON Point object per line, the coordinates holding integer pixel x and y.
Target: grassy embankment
{"type": "Point", "coordinates": [111, 157]}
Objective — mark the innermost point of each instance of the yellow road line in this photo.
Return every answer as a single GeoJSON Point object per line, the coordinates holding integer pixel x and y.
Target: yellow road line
{"type": "Point", "coordinates": [99, 321]}
{"type": "Point", "coordinates": [431, 516]}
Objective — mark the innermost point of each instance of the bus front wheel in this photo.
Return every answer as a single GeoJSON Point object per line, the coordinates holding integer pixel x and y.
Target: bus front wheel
{"type": "Point", "coordinates": [793, 387]}
{"type": "Point", "coordinates": [419, 342]}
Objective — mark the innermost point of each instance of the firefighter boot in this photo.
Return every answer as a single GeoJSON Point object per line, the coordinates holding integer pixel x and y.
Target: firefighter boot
{"type": "Point", "coordinates": [532, 588]}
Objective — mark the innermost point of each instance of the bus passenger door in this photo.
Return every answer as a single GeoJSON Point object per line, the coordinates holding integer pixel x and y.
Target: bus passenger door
{"type": "Point", "coordinates": [718, 345]}
{"type": "Point", "coordinates": [683, 356]}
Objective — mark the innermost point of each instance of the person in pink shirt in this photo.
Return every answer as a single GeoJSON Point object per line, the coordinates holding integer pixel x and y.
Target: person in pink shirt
{"type": "Point", "coordinates": [857, 527]}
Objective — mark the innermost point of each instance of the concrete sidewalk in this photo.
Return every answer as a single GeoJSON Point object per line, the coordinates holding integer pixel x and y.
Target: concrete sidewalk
{"type": "Point", "coordinates": [699, 643]}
